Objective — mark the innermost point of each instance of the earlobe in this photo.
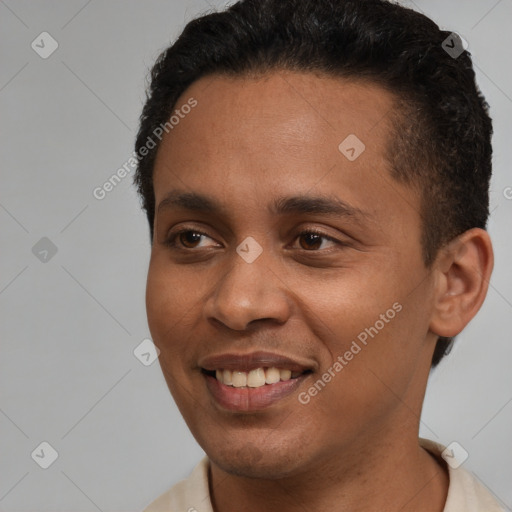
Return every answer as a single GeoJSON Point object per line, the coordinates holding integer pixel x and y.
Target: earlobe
{"type": "Point", "coordinates": [463, 271]}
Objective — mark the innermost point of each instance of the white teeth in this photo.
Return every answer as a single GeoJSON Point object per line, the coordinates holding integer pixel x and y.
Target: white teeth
{"type": "Point", "coordinates": [239, 379]}
{"type": "Point", "coordinates": [285, 374]}
{"type": "Point", "coordinates": [226, 377]}
{"type": "Point", "coordinates": [273, 375]}
{"type": "Point", "coordinates": [255, 378]}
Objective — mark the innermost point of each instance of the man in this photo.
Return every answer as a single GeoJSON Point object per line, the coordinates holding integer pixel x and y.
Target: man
{"type": "Point", "coordinates": [315, 176]}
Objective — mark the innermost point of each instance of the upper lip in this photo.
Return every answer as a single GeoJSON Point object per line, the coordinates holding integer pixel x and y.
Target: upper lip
{"type": "Point", "coordinates": [253, 360]}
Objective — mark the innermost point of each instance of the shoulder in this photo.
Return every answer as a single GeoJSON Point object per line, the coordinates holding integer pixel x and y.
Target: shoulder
{"type": "Point", "coordinates": [465, 492]}
{"type": "Point", "coordinates": [190, 495]}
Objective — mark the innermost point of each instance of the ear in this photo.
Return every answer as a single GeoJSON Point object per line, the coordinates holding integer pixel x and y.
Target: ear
{"type": "Point", "coordinates": [463, 269]}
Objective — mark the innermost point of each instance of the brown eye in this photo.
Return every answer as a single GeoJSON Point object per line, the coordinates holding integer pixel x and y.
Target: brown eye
{"type": "Point", "coordinates": [189, 237]}
{"type": "Point", "coordinates": [185, 239]}
{"type": "Point", "coordinates": [312, 240]}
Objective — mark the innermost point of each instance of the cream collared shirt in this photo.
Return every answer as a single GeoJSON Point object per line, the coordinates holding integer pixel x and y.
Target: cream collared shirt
{"type": "Point", "coordinates": [465, 493]}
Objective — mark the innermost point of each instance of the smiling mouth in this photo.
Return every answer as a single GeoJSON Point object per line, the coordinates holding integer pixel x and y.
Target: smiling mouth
{"type": "Point", "coordinates": [256, 378]}
{"type": "Point", "coordinates": [255, 381]}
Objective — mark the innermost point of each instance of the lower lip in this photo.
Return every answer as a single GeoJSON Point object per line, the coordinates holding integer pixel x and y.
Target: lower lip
{"type": "Point", "coordinates": [251, 399]}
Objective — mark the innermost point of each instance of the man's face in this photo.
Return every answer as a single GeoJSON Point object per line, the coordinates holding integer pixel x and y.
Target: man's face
{"type": "Point", "coordinates": [356, 285]}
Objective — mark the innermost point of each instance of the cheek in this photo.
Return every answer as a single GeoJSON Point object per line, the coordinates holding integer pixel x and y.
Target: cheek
{"type": "Point", "coordinates": [348, 301]}
{"type": "Point", "coordinates": [381, 356]}
{"type": "Point", "coordinates": [170, 292]}
{"type": "Point", "coordinates": [370, 319]}
{"type": "Point", "coordinates": [169, 304]}
{"type": "Point", "coordinates": [168, 301]}
{"type": "Point", "coordinates": [160, 296]}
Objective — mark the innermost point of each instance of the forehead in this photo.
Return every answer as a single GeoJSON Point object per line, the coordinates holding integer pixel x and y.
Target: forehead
{"type": "Point", "coordinates": [280, 134]}
{"type": "Point", "coordinates": [283, 107]}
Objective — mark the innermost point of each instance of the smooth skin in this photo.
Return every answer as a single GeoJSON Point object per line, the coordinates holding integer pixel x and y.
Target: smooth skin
{"type": "Point", "coordinates": [354, 446]}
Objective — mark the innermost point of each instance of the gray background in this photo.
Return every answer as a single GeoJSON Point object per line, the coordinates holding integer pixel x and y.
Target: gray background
{"type": "Point", "coordinates": [69, 324]}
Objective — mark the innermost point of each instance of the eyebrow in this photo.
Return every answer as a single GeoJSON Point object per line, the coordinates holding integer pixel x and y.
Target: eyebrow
{"type": "Point", "coordinates": [318, 204]}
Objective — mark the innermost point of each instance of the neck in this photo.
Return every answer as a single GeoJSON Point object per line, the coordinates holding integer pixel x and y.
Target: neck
{"type": "Point", "coordinates": [393, 474]}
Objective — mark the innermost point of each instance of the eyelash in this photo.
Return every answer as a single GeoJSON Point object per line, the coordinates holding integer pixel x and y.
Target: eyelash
{"type": "Point", "coordinates": [171, 241]}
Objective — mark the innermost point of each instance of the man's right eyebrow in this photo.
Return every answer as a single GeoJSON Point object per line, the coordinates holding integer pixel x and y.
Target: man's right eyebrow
{"type": "Point", "coordinates": [190, 201]}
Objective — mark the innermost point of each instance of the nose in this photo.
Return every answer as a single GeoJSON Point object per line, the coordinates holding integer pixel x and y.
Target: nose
{"type": "Point", "coordinates": [248, 293]}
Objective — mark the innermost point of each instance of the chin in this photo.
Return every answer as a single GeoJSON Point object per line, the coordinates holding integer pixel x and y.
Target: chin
{"type": "Point", "coordinates": [250, 460]}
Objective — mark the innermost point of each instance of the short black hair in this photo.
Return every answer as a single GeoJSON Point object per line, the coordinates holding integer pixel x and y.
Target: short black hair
{"type": "Point", "coordinates": [441, 140]}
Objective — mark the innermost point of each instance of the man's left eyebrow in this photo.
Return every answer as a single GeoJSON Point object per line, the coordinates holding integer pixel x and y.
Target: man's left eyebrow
{"type": "Point", "coordinates": [320, 205]}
